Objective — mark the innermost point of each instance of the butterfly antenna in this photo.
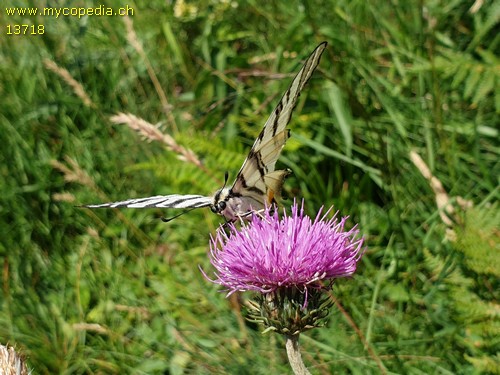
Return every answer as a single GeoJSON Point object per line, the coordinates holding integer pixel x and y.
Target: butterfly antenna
{"type": "Point", "coordinates": [226, 176]}
{"type": "Point", "coordinates": [167, 219]}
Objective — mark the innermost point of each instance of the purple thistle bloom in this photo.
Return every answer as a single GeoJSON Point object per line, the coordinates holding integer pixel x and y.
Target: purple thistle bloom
{"type": "Point", "coordinates": [270, 253]}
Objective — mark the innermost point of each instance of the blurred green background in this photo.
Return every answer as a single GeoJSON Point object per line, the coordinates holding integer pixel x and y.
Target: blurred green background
{"type": "Point", "coordinates": [120, 292]}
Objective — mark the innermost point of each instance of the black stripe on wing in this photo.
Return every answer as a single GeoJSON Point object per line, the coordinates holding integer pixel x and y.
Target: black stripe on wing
{"type": "Point", "coordinates": [161, 201]}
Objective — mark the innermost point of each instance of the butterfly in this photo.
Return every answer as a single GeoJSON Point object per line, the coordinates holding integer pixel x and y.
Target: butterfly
{"type": "Point", "coordinates": [257, 183]}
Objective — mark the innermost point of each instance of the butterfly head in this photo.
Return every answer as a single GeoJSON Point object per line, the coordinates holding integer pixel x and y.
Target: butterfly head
{"type": "Point", "coordinates": [220, 201]}
{"type": "Point", "coordinates": [221, 198]}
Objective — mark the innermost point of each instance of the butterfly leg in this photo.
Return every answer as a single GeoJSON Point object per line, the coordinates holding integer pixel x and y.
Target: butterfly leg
{"type": "Point", "coordinates": [245, 216]}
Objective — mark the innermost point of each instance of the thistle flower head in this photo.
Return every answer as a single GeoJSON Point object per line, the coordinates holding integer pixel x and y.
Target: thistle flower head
{"type": "Point", "coordinates": [293, 251]}
{"type": "Point", "coordinates": [286, 260]}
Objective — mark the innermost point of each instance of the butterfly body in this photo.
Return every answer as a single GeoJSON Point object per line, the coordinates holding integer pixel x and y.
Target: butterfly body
{"type": "Point", "coordinates": [229, 205]}
{"type": "Point", "coordinates": [234, 205]}
{"type": "Point", "coordinates": [257, 184]}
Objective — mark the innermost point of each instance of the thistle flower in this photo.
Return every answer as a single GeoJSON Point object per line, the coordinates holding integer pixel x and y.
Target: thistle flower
{"type": "Point", "coordinates": [288, 261]}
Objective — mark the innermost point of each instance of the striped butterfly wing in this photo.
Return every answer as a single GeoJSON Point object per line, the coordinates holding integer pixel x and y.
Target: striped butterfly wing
{"type": "Point", "coordinates": [160, 201]}
{"type": "Point", "coordinates": [257, 179]}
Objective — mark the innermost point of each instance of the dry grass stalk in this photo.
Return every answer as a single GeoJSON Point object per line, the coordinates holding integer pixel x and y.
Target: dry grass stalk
{"type": "Point", "coordinates": [443, 201]}
{"type": "Point", "coordinates": [91, 327]}
{"type": "Point", "coordinates": [142, 311]}
{"type": "Point", "coordinates": [73, 173]}
{"type": "Point", "coordinates": [478, 4]}
{"type": "Point", "coordinates": [136, 44]}
{"type": "Point", "coordinates": [66, 76]}
{"type": "Point", "coordinates": [63, 197]}
{"type": "Point", "coordinates": [11, 363]}
{"type": "Point", "coordinates": [446, 210]}
{"type": "Point", "coordinates": [152, 133]}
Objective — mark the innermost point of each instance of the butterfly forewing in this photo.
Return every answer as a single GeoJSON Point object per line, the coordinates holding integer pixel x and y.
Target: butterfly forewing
{"type": "Point", "coordinates": [267, 147]}
{"type": "Point", "coordinates": [160, 201]}
{"type": "Point", "coordinates": [281, 115]}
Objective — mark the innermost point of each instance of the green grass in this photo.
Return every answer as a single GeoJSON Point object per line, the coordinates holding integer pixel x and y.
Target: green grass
{"type": "Point", "coordinates": [120, 292]}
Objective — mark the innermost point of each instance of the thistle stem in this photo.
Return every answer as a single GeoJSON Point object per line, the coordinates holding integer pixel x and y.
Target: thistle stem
{"type": "Point", "coordinates": [294, 357]}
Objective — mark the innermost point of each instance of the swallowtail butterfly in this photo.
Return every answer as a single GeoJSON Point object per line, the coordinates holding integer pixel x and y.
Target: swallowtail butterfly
{"type": "Point", "coordinates": [257, 183]}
